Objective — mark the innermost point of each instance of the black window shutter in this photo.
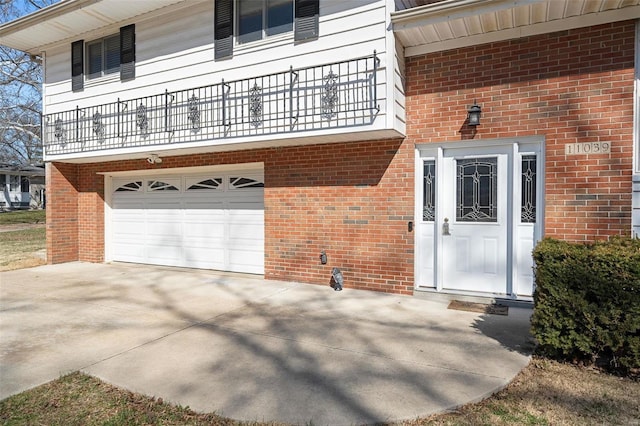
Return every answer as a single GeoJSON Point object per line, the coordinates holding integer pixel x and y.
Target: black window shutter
{"type": "Point", "coordinates": [306, 25]}
{"type": "Point", "coordinates": [128, 52]}
{"type": "Point", "coordinates": [77, 65]}
{"type": "Point", "coordinates": [223, 32]}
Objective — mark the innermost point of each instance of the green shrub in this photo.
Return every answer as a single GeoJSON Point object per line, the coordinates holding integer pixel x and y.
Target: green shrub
{"type": "Point", "coordinates": [587, 301]}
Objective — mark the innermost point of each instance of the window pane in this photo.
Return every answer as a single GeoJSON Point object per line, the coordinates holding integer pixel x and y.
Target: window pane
{"type": "Point", "coordinates": [14, 185]}
{"type": "Point", "coordinates": [528, 188]}
{"type": "Point", "coordinates": [476, 190]}
{"type": "Point", "coordinates": [158, 185]}
{"type": "Point", "coordinates": [249, 21]}
{"type": "Point", "coordinates": [279, 16]}
{"type": "Point", "coordinates": [429, 191]}
{"type": "Point", "coordinates": [112, 54]}
{"type": "Point", "coordinates": [25, 184]}
{"type": "Point", "coordinates": [94, 53]}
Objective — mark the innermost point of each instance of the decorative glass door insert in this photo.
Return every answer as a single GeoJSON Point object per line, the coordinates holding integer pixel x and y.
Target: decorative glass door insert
{"type": "Point", "coordinates": [476, 190]}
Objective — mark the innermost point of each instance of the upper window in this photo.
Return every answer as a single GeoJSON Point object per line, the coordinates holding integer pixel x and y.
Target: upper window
{"type": "Point", "coordinates": [112, 54]}
{"type": "Point", "coordinates": [103, 56]}
{"type": "Point", "coordinates": [249, 20]}
{"type": "Point", "coordinates": [260, 19]}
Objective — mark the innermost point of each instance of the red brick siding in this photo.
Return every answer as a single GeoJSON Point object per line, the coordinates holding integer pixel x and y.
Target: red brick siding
{"type": "Point", "coordinates": [91, 215]}
{"type": "Point", "coordinates": [62, 212]}
{"type": "Point", "coordinates": [572, 86]}
{"type": "Point", "coordinates": [352, 200]}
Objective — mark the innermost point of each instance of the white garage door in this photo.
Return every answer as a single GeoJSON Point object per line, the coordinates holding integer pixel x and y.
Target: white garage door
{"type": "Point", "coordinates": [213, 221]}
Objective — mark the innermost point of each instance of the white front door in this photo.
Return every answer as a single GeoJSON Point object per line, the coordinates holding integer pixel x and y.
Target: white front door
{"type": "Point", "coordinates": [474, 227]}
{"type": "Point", "coordinates": [478, 217]}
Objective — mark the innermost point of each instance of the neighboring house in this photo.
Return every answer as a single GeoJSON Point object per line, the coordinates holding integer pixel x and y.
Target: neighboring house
{"type": "Point", "coordinates": [256, 136]}
{"type": "Point", "coordinates": [22, 187]}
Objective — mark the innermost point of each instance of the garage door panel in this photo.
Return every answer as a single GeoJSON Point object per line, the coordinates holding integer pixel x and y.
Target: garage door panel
{"type": "Point", "coordinates": [128, 205]}
{"type": "Point", "coordinates": [207, 223]}
{"type": "Point", "coordinates": [203, 231]}
{"type": "Point", "coordinates": [203, 257]}
{"type": "Point", "coordinates": [245, 233]}
{"type": "Point", "coordinates": [129, 252]}
{"type": "Point", "coordinates": [196, 206]}
{"type": "Point", "coordinates": [240, 215]}
{"type": "Point", "coordinates": [128, 228]}
{"type": "Point", "coordinates": [163, 231]}
{"type": "Point", "coordinates": [239, 205]}
{"type": "Point", "coordinates": [214, 227]}
{"type": "Point", "coordinates": [247, 261]}
{"type": "Point", "coordinates": [153, 205]}
{"type": "Point", "coordinates": [128, 225]}
{"type": "Point", "coordinates": [246, 225]}
{"type": "Point", "coordinates": [164, 253]}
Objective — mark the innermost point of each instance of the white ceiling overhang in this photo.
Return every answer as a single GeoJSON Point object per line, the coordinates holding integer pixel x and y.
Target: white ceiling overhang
{"type": "Point", "coordinates": [70, 20]}
{"type": "Point", "coordinates": [450, 24]}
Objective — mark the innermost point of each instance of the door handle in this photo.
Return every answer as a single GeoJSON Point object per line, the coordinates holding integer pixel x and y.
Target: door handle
{"type": "Point", "coordinates": [445, 227]}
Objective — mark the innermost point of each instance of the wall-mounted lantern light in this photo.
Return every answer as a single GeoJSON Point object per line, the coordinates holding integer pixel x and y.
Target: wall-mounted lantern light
{"type": "Point", "coordinates": [473, 114]}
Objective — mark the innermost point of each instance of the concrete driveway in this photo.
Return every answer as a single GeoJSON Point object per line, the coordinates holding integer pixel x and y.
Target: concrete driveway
{"type": "Point", "coordinates": [252, 349]}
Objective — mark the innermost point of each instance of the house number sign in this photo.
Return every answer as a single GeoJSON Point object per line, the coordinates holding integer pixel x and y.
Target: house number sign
{"type": "Point", "coordinates": [587, 148]}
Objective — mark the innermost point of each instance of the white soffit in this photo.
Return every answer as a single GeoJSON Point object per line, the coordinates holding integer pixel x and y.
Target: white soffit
{"type": "Point", "coordinates": [450, 24]}
{"type": "Point", "coordinates": [68, 20]}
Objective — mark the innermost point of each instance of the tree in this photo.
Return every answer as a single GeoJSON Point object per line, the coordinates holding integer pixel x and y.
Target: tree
{"type": "Point", "coordinates": [20, 93]}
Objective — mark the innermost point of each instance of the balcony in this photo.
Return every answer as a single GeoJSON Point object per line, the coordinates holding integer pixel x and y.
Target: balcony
{"type": "Point", "coordinates": [329, 96]}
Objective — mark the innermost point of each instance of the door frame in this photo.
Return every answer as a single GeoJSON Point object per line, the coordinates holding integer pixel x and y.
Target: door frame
{"type": "Point", "coordinates": [435, 151]}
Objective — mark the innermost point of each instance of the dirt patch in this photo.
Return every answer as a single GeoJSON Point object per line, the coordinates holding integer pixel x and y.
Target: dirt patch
{"type": "Point", "coordinates": [22, 248]}
{"type": "Point", "coordinates": [20, 226]}
{"type": "Point", "coordinates": [23, 263]}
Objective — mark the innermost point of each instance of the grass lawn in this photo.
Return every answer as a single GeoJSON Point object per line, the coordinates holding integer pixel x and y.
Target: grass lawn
{"type": "Point", "coordinates": [22, 216]}
{"type": "Point", "coordinates": [544, 393]}
{"type": "Point", "coordinates": [22, 248]}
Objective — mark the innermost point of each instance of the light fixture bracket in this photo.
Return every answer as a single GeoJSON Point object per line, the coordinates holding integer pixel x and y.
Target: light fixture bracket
{"type": "Point", "coordinates": [473, 114]}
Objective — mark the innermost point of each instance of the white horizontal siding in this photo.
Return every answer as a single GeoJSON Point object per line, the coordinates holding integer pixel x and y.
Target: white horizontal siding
{"type": "Point", "coordinates": [175, 52]}
{"type": "Point", "coordinates": [399, 76]}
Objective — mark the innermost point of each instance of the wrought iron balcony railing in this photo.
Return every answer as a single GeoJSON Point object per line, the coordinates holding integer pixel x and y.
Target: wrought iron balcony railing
{"type": "Point", "coordinates": [340, 94]}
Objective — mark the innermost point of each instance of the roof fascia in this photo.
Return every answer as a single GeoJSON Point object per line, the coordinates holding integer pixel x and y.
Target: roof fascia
{"type": "Point", "coordinates": [581, 21]}
{"type": "Point", "coordinates": [50, 12]}
{"type": "Point", "coordinates": [450, 9]}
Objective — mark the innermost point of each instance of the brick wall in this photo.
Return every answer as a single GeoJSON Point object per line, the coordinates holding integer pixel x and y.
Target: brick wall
{"type": "Point", "coordinates": [573, 86]}
{"type": "Point", "coordinates": [352, 200]}
{"type": "Point", "coordinates": [62, 212]}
